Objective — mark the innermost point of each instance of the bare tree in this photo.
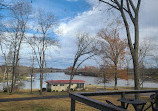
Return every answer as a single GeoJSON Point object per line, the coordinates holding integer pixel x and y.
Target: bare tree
{"type": "Point", "coordinates": [4, 46]}
{"type": "Point", "coordinates": [128, 58]}
{"type": "Point", "coordinates": [129, 9]}
{"type": "Point", "coordinates": [85, 48]}
{"type": "Point", "coordinates": [112, 48]}
{"type": "Point", "coordinates": [103, 74]}
{"type": "Point", "coordinates": [32, 71]}
{"type": "Point", "coordinates": [44, 39]}
{"type": "Point", "coordinates": [153, 73]}
{"type": "Point", "coordinates": [20, 12]}
{"type": "Point", "coordinates": [144, 52]}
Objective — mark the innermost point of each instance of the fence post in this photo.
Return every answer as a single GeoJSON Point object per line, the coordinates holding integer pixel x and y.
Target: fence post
{"type": "Point", "coordinates": [156, 99]}
{"type": "Point", "coordinates": [72, 104]}
{"type": "Point", "coordinates": [123, 96]}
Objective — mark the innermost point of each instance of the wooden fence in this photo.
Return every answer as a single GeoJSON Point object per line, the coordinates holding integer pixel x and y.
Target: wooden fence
{"type": "Point", "coordinates": [82, 97]}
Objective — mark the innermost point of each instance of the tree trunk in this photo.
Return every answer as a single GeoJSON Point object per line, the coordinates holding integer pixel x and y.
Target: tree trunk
{"type": "Point", "coordinates": [4, 76]}
{"type": "Point", "coordinates": [42, 60]}
{"type": "Point", "coordinates": [8, 88]}
{"type": "Point", "coordinates": [32, 73]}
{"type": "Point", "coordinates": [41, 81]}
{"type": "Point", "coordinates": [135, 57]}
{"type": "Point", "coordinates": [134, 51]}
{"type": "Point", "coordinates": [115, 87]}
{"type": "Point", "coordinates": [31, 83]}
{"type": "Point", "coordinates": [104, 86]}
{"type": "Point", "coordinates": [69, 87]}
{"type": "Point", "coordinates": [17, 59]}
{"type": "Point", "coordinates": [72, 74]}
{"type": "Point", "coordinates": [127, 71]}
{"type": "Point", "coordinates": [104, 79]}
{"type": "Point", "coordinates": [13, 74]}
{"type": "Point", "coordinates": [31, 80]}
{"type": "Point", "coordinates": [136, 76]}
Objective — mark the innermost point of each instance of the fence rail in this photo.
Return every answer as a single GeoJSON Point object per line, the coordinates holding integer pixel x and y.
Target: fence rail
{"type": "Point", "coordinates": [82, 97]}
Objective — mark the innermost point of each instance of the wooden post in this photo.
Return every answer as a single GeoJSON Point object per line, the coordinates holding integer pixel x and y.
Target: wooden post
{"type": "Point", "coordinates": [123, 96]}
{"type": "Point", "coordinates": [72, 104]}
{"type": "Point", "coordinates": [156, 99]}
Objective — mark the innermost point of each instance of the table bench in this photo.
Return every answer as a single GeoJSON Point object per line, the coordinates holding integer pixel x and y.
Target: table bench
{"type": "Point", "coordinates": [135, 103]}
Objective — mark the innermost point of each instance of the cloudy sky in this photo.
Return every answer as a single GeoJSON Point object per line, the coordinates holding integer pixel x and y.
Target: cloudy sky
{"type": "Point", "coordinates": [89, 16]}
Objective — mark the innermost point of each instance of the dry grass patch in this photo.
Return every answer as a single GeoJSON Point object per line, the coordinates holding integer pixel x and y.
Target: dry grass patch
{"type": "Point", "coordinates": [26, 93]}
{"type": "Point", "coordinates": [44, 105]}
{"type": "Point", "coordinates": [62, 104]}
{"type": "Point", "coordinates": [114, 98]}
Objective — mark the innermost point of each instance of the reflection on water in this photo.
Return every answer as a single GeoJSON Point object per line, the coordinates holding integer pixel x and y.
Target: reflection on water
{"type": "Point", "coordinates": [57, 76]}
{"type": "Point", "coordinates": [88, 79]}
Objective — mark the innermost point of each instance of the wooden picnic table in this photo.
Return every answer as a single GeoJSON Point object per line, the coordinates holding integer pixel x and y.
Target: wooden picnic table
{"type": "Point", "coordinates": [135, 103]}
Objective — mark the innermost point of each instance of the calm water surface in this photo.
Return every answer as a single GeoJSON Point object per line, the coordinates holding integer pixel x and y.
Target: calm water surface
{"type": "Point", "coordinates": [88, 79]}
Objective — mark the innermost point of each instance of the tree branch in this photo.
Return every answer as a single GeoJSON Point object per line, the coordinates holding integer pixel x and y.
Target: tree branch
{"type": "Point", "coordinates": [138, 5]}
{"type": "Point", "coordinates": [128, 32]}
{"type": "Point", "coordinates": [83, 61]}
{"type": "Point", "coordinates": [132, 5]}
{"type": "Point", "coordinates": [109, 4]}
{"type": "Point", "coordinates": [129, 11]}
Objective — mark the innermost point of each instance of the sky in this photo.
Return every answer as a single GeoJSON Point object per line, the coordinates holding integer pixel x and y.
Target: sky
{"type": "Point", "coordinates": [87, 16]}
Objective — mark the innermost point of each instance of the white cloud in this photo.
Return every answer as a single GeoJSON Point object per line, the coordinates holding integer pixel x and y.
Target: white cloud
{"type": "Point", "coordinates": [149, 32]}
{"type": "Point", "coordinates": [93, 20]}
{"type": "Point", "coordinates": [90, 21]}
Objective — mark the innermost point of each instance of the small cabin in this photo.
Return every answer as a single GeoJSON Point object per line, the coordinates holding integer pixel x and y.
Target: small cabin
{"type": "Point", "coordinates": [62, 85]}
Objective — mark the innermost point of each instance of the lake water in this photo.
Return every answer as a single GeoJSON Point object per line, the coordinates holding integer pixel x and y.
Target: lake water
{"type": "Point", "coordinates": [88, 79]}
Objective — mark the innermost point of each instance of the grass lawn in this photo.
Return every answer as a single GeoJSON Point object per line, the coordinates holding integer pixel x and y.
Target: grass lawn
{"type": "Point", "coordinates": [62, 104]}
{"type": "Point", "coordinates": [54, 105]}
{"type": "Point", "coordinates": [26, 93]}
{"type": "Point", "coordinates": [43, 105]}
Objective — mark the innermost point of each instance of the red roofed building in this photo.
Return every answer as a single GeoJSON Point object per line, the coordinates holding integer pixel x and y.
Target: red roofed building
{"type": "Point", "coordinates": [62, 85]}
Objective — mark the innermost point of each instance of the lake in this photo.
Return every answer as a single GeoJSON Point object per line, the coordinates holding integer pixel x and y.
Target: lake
{"type": "Point", "coordinates": [88, 79]}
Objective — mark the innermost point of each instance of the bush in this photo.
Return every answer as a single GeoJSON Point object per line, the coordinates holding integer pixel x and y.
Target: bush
{"type": "Point", "coordinates": [5, 89]}
{"type": "Point", "coordinates": [44, 89]}
{"type": "Point", "coordinates": [49, 90]}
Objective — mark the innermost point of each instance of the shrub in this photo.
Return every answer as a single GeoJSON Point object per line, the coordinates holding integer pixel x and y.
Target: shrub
{"type": "Point", "coordinates": [49, 90]}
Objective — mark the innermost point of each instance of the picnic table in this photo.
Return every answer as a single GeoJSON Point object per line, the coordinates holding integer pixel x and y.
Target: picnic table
{"type": "Point", "coordinates": [135, 103]}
